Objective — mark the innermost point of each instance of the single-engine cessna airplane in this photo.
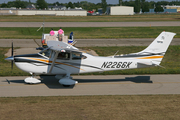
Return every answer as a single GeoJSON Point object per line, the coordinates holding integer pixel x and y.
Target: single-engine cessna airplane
{"type": "Point", "coordinates": [62, 59]}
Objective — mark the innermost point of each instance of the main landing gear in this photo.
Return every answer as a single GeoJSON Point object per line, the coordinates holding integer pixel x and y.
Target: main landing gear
{"type": "Point", "coordinates": [67, 81]}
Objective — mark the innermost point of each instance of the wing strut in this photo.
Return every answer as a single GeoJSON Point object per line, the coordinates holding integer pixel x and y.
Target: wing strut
{"type": "Point", "coordinates": [52, 65]}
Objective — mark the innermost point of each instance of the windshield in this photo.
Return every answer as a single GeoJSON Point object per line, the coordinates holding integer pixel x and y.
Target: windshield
{"type": "Point", "coordinates": [46, 53]}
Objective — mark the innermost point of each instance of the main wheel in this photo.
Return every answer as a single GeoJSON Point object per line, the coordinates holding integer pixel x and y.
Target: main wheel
{"type": "Point", "coordinates": [66, 85]}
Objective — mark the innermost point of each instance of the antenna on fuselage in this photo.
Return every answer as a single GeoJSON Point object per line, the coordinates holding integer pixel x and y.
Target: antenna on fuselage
{"type": "Point", "coordinates": [116, 52]}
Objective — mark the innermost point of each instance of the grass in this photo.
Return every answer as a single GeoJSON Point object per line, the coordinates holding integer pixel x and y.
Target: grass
{"type": "Point", "coordinates": [171, 62]}
{"type": "Point", "coordinates": [104, 18]}
{"type": "Point", "coordinates": [90, 32]}
{"type": "Point", "coordinates": [151, 107]}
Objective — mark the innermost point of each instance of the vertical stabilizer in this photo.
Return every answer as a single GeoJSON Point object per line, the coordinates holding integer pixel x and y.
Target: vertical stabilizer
{"type": "Point", "coordinates": [160, 44]}
{"type": "Point", "coordinates": [157, 49]}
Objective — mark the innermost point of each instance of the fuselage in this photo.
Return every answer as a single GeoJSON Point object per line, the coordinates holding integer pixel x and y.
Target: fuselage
{"type": "Point", "coordinates": [74, 63]}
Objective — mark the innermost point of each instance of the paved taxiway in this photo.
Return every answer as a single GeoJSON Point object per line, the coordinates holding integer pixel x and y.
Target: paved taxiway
{"type": "Point", "coordinates": [93, 85]}
{"type": "Point", "coordinates": [89, 24]}
{"type": "Point", "coordinates": [29, 43]}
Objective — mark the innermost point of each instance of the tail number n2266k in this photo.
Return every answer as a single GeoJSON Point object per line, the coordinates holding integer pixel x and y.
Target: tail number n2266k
{"type": "Point", "coordinates": [116, 64]}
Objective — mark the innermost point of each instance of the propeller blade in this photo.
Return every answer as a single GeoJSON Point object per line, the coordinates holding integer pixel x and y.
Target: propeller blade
{"type": "Point", "coordinates": [12, 49]}
{"type": "Point", "coordinates": [12, 57]}
{"type": "Point", "coordinates": [12, 53]}
{"type": "Point", "coordinates": [11, 65]}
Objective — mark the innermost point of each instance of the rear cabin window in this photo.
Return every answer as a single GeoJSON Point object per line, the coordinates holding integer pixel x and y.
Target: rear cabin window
{"type": "Point", "coordinates": [77, 56]}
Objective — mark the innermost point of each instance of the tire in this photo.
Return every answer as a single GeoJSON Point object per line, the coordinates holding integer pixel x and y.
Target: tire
{"type": "Point", "coordinates": [66, 85]}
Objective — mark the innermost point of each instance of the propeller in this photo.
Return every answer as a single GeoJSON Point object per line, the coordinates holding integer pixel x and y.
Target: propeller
{"type": "Point", "coordinates": [12, 53]}
{"type": "Point", "coordinates": [12, 57]}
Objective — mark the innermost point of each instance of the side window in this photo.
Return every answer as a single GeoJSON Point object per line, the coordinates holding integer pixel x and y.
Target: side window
{"type": "Point", "coordinates": [63, 56]}
{"type": "Point", "coordinates": [77, 56]}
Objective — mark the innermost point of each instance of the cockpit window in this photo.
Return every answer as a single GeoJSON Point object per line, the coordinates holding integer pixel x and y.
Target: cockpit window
{"type": "Point", "coordinates": [46, 53]}
{"type": "Point", "coordinates": [77, 56]}
{"type": "Point", "coordinates": [64, 56]}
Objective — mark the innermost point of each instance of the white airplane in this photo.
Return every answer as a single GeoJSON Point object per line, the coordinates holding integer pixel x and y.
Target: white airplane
{"type": "Point", "coordinates": [62, 59]}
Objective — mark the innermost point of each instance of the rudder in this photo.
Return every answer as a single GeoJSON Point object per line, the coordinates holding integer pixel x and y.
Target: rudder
{"type": "Point", "coordinates": [157, 49]}
{"type": "Point", "coordinates": [160, 44]}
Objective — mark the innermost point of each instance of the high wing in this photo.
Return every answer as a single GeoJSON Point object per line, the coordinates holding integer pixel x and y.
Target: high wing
{"type": "Point", "coordinates": [61, 46]}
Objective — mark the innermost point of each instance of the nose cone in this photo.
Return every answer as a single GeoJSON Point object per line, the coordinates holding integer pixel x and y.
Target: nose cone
{"type": "Point", "coordinates": [10, 58]}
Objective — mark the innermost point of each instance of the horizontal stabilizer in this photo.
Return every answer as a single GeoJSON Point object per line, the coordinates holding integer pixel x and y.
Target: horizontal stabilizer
{"type": "Point", "coordinates": [150, 63]}
{"type": "Point", "coordinates": [146, 63]}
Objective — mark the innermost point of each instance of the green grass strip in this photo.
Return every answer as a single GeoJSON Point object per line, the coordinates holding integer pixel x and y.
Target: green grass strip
{"type": "Point", "coordinates": [90, 32]}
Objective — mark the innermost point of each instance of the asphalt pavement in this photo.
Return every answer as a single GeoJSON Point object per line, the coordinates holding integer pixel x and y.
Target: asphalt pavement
{"type": "Point", "coordinates": [93, 85]}
{"type": "Point", "coordinates": [29, 43]}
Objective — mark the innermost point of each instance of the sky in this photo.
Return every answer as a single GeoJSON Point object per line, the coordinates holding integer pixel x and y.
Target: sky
{"type": "Point", "coordinates": [92, 1]}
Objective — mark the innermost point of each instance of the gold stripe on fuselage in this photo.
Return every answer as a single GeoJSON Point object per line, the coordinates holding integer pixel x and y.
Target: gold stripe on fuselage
{"type": "Point", "coordinates": [47, 61]}
{"type": "Point", "coordinates": [151, 57]}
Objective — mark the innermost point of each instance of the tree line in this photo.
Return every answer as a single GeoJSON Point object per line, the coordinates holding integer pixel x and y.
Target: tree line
{"type": "Point", "coordinates": [137, 4]}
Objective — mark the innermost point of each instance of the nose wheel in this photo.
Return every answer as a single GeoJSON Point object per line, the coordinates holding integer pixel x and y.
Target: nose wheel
{"type": "Point", "coordinates": [32, 80]}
